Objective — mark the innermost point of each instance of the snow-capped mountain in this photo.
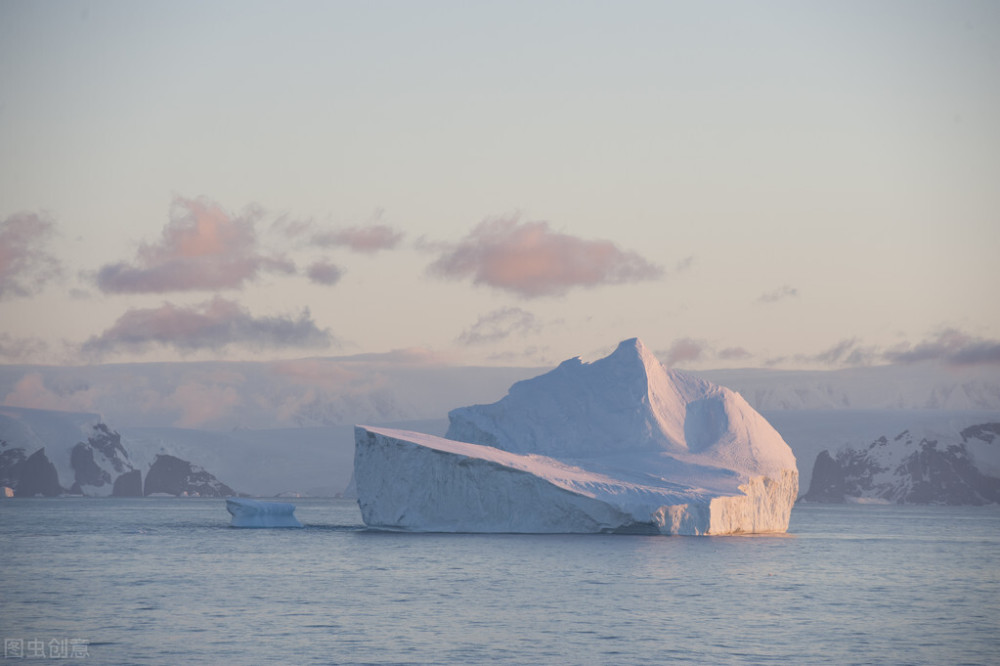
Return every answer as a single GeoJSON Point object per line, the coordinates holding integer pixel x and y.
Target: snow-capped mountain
{"type": "Point", "coordinates": [923, 467]}
{"type": "Point", "coordinates": [52, 453]}
{"type": "Point", "coordinates": [99, 463]}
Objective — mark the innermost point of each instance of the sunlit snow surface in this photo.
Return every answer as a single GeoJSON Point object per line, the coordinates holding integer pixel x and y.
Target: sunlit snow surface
{"type": "Point", "coordinates": [620, 444]}
{"type": "Point", "coordinates": [256, 513]}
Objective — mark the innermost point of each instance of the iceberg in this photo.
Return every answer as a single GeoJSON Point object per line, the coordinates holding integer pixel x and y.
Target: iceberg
{"type": "Point", "coordinates": [619, 445]}
{"type": "Point", "coordinates": [255, 513]}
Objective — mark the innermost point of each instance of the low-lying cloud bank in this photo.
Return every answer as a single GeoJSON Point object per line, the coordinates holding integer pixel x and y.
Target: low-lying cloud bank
{"type": "Point", "coordinates": [214, 324]}
{"type": "Point", "coordinates": [950, 347]}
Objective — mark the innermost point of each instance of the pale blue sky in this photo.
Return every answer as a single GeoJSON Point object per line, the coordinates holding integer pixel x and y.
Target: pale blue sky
{"type": "Point", "coordinates": [736, 183]}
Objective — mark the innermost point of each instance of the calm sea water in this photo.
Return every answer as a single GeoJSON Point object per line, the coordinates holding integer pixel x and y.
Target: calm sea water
{"type": "Point", "coordinates": [163, 581]}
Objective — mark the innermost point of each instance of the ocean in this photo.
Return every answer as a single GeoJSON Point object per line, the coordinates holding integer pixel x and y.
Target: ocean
{"type": "Point", "coordinates": [167, 581]}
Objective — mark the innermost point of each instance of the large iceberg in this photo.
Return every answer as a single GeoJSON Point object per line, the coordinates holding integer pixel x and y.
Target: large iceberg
{"type": "Point", "coordinates": [257, 513]}
{"type": "Point", "coordinates": [617, 445]}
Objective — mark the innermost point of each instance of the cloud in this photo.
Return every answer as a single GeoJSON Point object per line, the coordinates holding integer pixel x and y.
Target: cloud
{"type": "Point", "coordinates": [322, 272]}
{"type": "Point", "coordinates": [531, 260]}
{"type": "Point", "coordinates": [836, 353]}
{"type": "Point", "coordinates": [734, 354]}
{"type": "Point", "coordinates": [25, 263]}
{"type": "Point", "coordinates": [684, 264]}
{"type": "Point", "coordinates": [367, 239]}
{"type": "Point", "coordinates": [291, 227]}
{"type": "Point", "coordinates": [951, 346]}
{"type": "Point", "coordinates": [31, 391]}
{"type": "Point", "coordinates": [202, 247]}
{"type": "Point", "coordinates": [778, 294]}
{"type": "Point", "coordinates": [214, 325]}
{"type": "Point", "coordinates": [499, 325]}
{"type": "Point", "coordinates": [533, 354]}
{"type": "Point", "coordinates": [849, 352]}
{"type": "Point", "coordinates": [405, 356]}
{"type": "Point", "coordinates": [684, 350]}
{"type": "Point", "coordinates": [20, 349]}
{"type": "Point", "coordinates": [199, 404]}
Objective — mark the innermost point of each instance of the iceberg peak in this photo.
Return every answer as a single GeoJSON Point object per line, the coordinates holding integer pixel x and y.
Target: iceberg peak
{"type": "Point", "coordinates": [626, 401]}
{"type": "Point", "coordinates": [633, 348]}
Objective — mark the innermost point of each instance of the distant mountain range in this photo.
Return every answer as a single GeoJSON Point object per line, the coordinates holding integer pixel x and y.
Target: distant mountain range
{"type": "Point", "coordinates": [38, 456]}
{"type": "Point", "coordinates": [287, 427]}
{"type": "Point", "coordinates": [924, 467]}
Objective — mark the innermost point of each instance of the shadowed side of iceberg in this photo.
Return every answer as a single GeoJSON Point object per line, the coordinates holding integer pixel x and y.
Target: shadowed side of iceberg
{"type": "Point", "coordinates": [403, 485]}
{"type": "Point", "coordinates": [256, 513]}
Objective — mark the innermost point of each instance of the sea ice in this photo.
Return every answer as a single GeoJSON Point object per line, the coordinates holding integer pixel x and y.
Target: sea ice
{"type": "Point", "coordinates": [255, 513]}
{"type": "Point", "coordinates": [618, 445]}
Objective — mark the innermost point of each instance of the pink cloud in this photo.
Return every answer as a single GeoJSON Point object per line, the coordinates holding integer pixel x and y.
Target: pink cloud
{"type": "Point", "coordinates": [329, 374]}
{"type": "Point", "coordinates": [25, 263]}
{"type": "Point", "coordinates": [368, 239]}
{"type": "Point", "coordinates": [202, 247]}
{"type": "Point", "coordinates": [31, 391]}
{"type": "Point", "coordinates": [199, 404]}
{"type": "Point", "coordinates": [211, 325]}
{"type": "Point", "coordinates": [531, 260]}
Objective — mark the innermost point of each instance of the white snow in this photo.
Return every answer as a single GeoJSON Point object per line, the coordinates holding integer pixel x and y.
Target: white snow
{"type": "Point", "coordinates": [256, 513]}
{"type": "Point", "coordinates": [620, 444]}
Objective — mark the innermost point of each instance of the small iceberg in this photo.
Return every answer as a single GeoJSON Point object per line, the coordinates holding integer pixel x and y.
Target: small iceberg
{"type": "Point", "coordinates": [255, 513]}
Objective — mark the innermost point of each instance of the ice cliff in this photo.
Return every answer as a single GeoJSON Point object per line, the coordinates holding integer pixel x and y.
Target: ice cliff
{"type": "Point", "coordinates": [617, 445]}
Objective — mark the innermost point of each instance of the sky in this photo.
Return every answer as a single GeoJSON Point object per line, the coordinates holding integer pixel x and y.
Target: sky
{"type": "Point", "coordinates": [772, 184]}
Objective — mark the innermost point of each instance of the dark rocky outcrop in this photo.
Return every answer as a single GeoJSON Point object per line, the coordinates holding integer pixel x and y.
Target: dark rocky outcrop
{"type": "Point", "coordinates": [128, 484]}
{"type": "Point", "coordinates": [11, 462]}
{"type": "Point", "coordinates": [175, 476]}
{"type": "Point", "coordinates": [38, 476]}
{"type": "Point", "coordinates": [86, 471]}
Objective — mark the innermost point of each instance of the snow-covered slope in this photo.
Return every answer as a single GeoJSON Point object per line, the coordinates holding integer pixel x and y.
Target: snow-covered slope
{"type": "Point", "coordinates": [926, 466]}
{"type": "Point", "coordinates": [620, 444]}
